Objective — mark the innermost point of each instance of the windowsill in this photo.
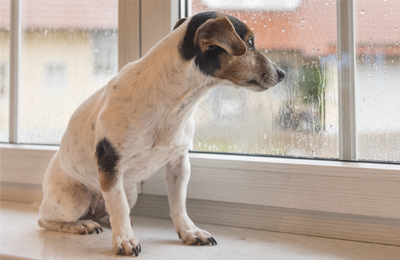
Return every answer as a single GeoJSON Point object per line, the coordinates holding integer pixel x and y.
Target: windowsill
{"type": "Point", "coordinates": [21, 237]}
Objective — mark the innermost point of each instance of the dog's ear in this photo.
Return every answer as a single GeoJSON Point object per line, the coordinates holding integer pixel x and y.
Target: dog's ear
{"type": "Point", "coordinates": [179, 22]}
{"type": "Point", "coordinates": [220, 32]}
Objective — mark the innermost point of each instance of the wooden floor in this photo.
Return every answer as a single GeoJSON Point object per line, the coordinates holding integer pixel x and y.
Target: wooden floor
{"type": "Point", "coordinates": [21, 238]}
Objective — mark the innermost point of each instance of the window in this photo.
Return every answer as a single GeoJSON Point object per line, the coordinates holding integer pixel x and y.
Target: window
{"type": "Point", "coordinates": [55, 77]}
{"type": "Point", "coordinates": [378, 80]}
{"type": "Point", "coordinates": [283, 5]}
{"type": "Point", "coordinates": [298, 117]}
{"type": "Point", "coordinates": [4, 68]}
{"type": "Point", "coordinates": [303, 111]}
{"type": "Point", "coordinates": [63, 45]}
{"type": "Point", "coordinates": [105, 53]}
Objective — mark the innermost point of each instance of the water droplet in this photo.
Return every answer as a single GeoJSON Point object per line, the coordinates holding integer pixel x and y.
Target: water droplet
{"type": "Point", "coordinates": [265, 25]}
{"type": "Point", "coordinates": [283, 29]}
{"type": "Point", "coordinates": [363, 99]}
{"type": "Point", "coordinates": [313, 49]}
{"type": "Point", "coordinates": [395, 28]}
{"type": "Point", "coordinates": [303, 20]}
{"type": "Point", "coordinates": [265, 136]}
{"type": "Point", "coordinates": [362, 11]}
{"type": "Point", "coordinates": [265, 51]}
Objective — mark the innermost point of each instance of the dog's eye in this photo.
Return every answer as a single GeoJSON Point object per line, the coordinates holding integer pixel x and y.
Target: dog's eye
{"type": "Point", "coordinates": [211, 47]}
{"type": "Point", "coordinates": [250, 43]}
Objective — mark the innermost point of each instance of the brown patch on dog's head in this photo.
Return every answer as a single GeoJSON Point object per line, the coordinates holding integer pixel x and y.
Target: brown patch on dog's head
{"type": "Point", "coordinates": [253, 70]}
{"type": "Point", "coordinates": [179, 22]}
{"type": "Point", "coordinates": [219, 32]}
{"type": "Point", "coordinates": [224, 47]}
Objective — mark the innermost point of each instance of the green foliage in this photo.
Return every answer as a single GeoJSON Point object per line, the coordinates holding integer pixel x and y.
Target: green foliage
{"type": "Point", "coordinates": [310, 84]}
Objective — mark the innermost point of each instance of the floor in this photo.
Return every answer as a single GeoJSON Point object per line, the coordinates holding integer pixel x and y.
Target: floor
{"type": "Point", "coordinates": [21, 238]}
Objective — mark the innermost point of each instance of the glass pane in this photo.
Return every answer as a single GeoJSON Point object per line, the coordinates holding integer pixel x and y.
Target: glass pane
{"type": "Point", "coordinates": [298, 117]}
{"type": "Point", "coordinates": [4, 69]}
{"type": "Point", "coordinates": [68, 51]}
{"type": "Point", "coordinates": [378, 79]}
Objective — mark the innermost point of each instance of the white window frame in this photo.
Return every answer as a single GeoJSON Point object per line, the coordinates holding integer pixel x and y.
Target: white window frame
{"type": "Point", "coordinates": [346, 188]}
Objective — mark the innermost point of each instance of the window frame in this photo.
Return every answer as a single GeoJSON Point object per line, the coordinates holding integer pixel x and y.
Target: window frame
{"type": "Point", "coordinates": [337, 187]}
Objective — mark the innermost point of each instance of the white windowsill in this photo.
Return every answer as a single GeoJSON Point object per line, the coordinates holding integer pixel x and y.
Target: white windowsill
{"type": "Point", "coordinates": [365, 192]}
{"type": "Point", "coordinates": [21, 237]}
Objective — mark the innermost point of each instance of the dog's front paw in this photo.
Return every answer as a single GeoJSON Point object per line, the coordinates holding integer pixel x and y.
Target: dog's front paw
{"type": "Point", "coordinates": [126, 245]}
{"type": "Point", "coordinates": [196, 236]}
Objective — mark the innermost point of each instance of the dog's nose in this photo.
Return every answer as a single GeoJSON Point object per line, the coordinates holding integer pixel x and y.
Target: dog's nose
{"type": "Point", "coordinates": [281, 74]}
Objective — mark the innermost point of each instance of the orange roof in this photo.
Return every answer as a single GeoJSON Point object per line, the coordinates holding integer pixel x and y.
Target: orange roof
{"type": "Point", "coordinates": [312, 30]}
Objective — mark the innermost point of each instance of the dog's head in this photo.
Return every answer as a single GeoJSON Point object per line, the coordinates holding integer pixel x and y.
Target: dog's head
{"type": "Point", "coordinates": [224, 47]}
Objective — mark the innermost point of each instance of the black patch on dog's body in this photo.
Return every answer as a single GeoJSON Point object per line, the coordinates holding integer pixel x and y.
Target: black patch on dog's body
{"type": "Point", "coordinates": [107, 157]}
{"type": "Point", "coordinates": [208, 61]}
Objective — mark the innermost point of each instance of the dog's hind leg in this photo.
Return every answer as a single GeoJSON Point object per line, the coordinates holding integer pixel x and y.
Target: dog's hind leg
{"type": "Point", "coordinates": [178, 173]}
{"type": "Point", "coordinates": [65, 202]}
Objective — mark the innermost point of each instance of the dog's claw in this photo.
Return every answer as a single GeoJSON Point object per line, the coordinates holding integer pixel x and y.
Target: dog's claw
{"type": "Point", "coordinates": [211, 241]}
{"type": "Point", "coordinates": [139, 248]}
{"type": "Point", "coordinates": [97, 230]}
{"type": "Point", "coordinates": [199, 241]}
{"type": "Point", "coordinates": [215, 241]}
{"type": "Point", "coordinates": [135, 251]}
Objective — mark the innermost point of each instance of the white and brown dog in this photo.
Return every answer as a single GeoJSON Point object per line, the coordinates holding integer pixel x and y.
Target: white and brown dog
{"type": "Point", "coordinates": [141, 120]}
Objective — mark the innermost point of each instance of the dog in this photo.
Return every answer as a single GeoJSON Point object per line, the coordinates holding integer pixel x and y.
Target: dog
{"type": "Point", "coordinates": [142, 120]}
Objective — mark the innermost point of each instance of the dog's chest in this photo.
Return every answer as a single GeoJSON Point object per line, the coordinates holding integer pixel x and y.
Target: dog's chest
{"type": "Point", "coordinates": [146, 163]}
{"type": "Point", "coordinates": [144, 160]}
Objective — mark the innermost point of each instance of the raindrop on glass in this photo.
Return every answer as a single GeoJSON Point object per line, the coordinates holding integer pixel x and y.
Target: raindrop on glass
{"type": "Point", "coordinates": [362, 11]}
